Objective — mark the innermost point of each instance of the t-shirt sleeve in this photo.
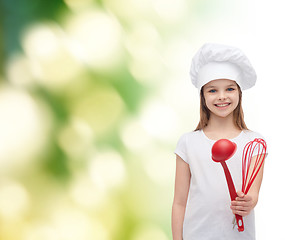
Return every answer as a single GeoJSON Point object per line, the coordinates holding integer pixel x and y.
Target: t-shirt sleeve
{"type": "Point", "coordinates": [258, 145]}
{"type": "Point", "coordinates": [259, 148]}
{"type": "Point", "coordinates": [181, 148]}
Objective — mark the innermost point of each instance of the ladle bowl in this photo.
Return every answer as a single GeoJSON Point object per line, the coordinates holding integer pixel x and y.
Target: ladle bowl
{"type": "Point", "coordinates": [223, 150]}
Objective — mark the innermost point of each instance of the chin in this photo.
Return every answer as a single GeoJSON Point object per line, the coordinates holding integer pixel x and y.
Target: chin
{"type": "Point", "coordinates": [223, 115]}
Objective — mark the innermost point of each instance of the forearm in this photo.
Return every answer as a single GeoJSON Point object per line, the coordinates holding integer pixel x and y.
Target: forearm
{"type": "Point", "coordinates": [255, 187]}
{"type": "Point", "coordinates": [181, 190]}
{"type": "Point", "coordinates": [178, 212]}
{"type": "Point", "coordinates": [254, 195]}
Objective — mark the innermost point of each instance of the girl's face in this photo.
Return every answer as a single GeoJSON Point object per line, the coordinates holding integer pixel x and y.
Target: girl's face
{"type": "Point", "coordinates": [221, 97]}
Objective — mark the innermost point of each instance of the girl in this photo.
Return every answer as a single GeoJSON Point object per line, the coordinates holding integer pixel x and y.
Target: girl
{"type": "Point", "coordinates": [202, 209]}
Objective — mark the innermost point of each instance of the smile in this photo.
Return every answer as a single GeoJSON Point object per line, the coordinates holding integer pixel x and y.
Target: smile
{"type": "Point", "coordinates": [222, 105]}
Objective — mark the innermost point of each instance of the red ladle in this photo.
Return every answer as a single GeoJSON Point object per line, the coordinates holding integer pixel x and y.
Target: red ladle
{"type": "Point", "coordinates": [223, 150]}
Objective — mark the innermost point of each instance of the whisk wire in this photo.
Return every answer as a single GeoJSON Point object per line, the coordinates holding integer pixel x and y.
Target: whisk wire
{"type": "Point", "coordinates": [257, 148]}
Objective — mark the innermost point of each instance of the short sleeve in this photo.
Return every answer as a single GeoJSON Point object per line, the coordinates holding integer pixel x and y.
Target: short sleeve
{"type": "Point", "coordinates": [257, 144]}
{"type": "Point", "coordinates": [260, 147]}
{"type": "Point", "coordinates": [181, 148]}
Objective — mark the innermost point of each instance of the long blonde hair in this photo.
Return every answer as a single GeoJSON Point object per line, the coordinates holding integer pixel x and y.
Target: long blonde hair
{"type": "Point", "coordinates": [205, 113]}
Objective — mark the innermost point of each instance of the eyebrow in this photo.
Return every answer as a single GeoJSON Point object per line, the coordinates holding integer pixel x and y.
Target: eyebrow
{"type": "Point", "coordinates": [213, 86]}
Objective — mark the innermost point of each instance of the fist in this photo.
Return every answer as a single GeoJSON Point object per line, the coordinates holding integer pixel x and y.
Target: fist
{"type": "Point", "coordinates": [243, 204]}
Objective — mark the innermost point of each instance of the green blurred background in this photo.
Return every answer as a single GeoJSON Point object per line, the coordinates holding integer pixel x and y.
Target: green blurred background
{"type": "Point", "coordinates": [93, 97]}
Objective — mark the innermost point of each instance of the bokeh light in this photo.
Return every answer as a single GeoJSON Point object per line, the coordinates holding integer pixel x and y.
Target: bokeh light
{"type": "Point", "coordinates": [107, 170]}
{"type": "Point", "coordinates": [10, 209]}
{"type": "Point", "coordinates": [21, 123]}
{"type": "Point", "coordinates": [47, 48]}
{"type": "Point", "coordinates": [98, 38]}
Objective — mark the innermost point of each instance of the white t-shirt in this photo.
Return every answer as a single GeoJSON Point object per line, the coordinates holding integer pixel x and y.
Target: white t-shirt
{"type": "Point", "coordinates": [208, 215]}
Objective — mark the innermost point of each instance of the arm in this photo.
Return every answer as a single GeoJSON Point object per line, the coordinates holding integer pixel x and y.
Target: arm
{"type": "Point", "coordinates": [245, 203]}
{"type": "Point", "coordinates": [182, 183]}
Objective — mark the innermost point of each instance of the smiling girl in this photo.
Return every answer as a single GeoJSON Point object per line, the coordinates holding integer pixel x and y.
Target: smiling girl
{"type": "Point", "coordinates": [202, 209]}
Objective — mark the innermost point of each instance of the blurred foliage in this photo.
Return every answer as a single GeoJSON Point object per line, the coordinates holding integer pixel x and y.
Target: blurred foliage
{"type": "Point", "coordinates": [81, 158]}
{"type": "Point", "coordinates": [17, 14]}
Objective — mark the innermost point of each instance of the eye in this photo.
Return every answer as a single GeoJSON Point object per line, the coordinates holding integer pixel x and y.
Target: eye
{"type": "Point", "coordinates": [212, 90]}
{"type": "Point", "coordinates": [230, 89]}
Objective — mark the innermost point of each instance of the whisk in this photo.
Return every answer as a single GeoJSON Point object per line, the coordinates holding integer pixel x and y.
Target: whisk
{"type": "Point", "coordinates": [250, 169]}
{"type": "Point", "coordinates": [255, 151]}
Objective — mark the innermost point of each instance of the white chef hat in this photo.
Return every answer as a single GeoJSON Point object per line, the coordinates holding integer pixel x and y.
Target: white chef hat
{"type": "Point", "coordinates": [217, 61]}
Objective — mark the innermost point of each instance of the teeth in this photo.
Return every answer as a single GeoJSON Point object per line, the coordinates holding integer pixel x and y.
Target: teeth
{"type": "Point", "coordinates": [222, 105]}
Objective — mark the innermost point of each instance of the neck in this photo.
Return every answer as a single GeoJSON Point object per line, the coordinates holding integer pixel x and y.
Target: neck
{"type": "Point", "coordinates": [223, 124]}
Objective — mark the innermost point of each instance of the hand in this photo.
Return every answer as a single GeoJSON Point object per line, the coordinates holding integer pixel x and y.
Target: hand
{"type": "Point", "coordinates": [243, 204]}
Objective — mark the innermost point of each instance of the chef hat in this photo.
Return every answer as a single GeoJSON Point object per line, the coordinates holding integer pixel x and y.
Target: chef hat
{"type": "Point", "coordinates": [217, 61]}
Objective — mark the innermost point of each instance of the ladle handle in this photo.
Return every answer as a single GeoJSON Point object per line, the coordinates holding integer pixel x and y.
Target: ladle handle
{"type": "Point", "coordinates": [230, 182]}
{"type": "Point", "coordinates": [239, 221]}
{"type": "Point", "coordinates": [233, 194]}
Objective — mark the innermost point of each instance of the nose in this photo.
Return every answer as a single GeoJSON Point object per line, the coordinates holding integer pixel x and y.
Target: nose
{"type": "Point", "coordinates": [222, 95]}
